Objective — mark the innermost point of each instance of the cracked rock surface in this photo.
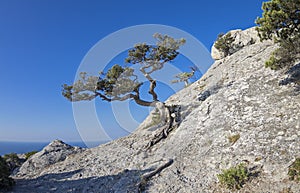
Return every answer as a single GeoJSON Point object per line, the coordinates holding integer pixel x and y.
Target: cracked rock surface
{"type": "Point", "coordinates": [248, 102]}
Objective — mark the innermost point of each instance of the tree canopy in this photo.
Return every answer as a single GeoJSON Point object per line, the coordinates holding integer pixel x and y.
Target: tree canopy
{"type": "Point", "coordinates": [120, 83]}
{"type": "Point", "coordinates": [185, 76]}
{"type": "Point", "coordinates": [281, 22]}
{"type": "Point", "coordinates": [224, 43]}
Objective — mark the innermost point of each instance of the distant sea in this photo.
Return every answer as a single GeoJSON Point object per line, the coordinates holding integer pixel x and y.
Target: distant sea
{"type": "Point", "coordinates": [23, 147]}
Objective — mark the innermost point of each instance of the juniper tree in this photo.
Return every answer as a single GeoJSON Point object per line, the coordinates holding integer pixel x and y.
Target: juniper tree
{"type": "Point", "coordinates": [120, 83]}
{"type": "Point", "coordinates": [224, 43]}
{"type": "Point", "coordinates": [185, 76]}
{"type": "Point", "coordinates": [281, 22]}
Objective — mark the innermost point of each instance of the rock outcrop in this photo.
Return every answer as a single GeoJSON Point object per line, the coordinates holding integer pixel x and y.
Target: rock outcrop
{"type": "Point", "coordinates": [242, 38]}
{"type": "Point", "coordinates": [55, 152]}
{"type": "Point", "coordinates": [244, 100]}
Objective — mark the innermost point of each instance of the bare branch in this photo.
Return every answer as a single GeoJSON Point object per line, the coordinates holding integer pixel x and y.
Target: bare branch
{"type": "Point", "coordinates": [151, 90]}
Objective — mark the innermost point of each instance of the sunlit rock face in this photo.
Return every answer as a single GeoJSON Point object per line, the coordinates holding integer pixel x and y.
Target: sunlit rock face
{"type": "Point", "coordinates": [55, 152]}
{"type": "Point", "coordinates": [242, 38]}
{"type": "Point", "coordinates": [244, 100]}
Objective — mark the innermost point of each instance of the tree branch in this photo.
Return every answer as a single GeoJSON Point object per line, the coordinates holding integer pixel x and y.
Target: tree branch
{"type": "Point", "coordinates": [151, 90]}
{"type": "Point", "coordinates": [135, 97]}
{"type": "Point", "coordinates": [151, 80]}
{"type": "Point", "coordinates": [116, 98]}
{"type": "Point", "coordinates": [144, 103]}
{"type": "Point", "coordinates": [103, 97]}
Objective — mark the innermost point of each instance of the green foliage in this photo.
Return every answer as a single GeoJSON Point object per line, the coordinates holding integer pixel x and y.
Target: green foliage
{"type": "Point", "coordinates": [281, 22]}
{"type": "Point", "coordinates": [116, 82]}
{"type": "Point", "coordinates": [235, 177]}
{"type": "Point", "coordinates": [155, 55]}
{"type": "Point", "coordinates": [185, 76]}
{"type": "Point", "coordinates": [29, 154]}
{"type": "Point", "coordinates": [224, 43]}
{"type": "Point", "coordinates": [119, 82]}
{"type": "Point", "coordinates": [272, 62]}
{"type": "Point", "coordinates": [11, 157]}
{"type": "Point", "coordinates": [13, 161]}
{"type": "Point", "coordinates": [294, 170]}
{"type": "Point", "coordinates": [286, 55]}
{"type": "Point", "coordinates": [5, 181]}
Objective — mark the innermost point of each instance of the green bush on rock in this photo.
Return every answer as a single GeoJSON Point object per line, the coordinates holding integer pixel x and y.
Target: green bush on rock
{"type": "Point", "coordinates": [224, 43]}
{"type": "Point", "coordinates": [13, 161]}
{"type": "Point", "coordinates": [281, 22]}
{"type": "Point", "coordinates": [294, 170]}
{"type": "Point", "coordinates": [29, 154]}
{"type": "Point", "coordinates": [235, 177]}
{"type": "Point", "coordinates": [11, 157]}
{"type": "Point", "coordinates": [5, 181]}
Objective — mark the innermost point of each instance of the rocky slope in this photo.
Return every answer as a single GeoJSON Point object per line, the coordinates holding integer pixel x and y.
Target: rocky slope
{"type": "Point", "coordinates": [238, 97]}
{"type": "Point", "coordinates": [54, 152]}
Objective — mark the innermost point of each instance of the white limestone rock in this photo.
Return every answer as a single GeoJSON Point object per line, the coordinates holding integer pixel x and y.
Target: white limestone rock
{"type": "Point", "coordinates": [55, 152]}
{"type": "Point", "coordinates": [247, 100]}
{"type": "Point", "coordinates": [242, 38]}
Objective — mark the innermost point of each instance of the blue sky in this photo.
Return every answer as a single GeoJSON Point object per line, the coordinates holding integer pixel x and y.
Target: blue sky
{"type": "Point", "coordinates": [42, 43]}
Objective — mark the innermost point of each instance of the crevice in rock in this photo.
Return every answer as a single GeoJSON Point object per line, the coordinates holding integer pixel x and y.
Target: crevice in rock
{"type": "Point", "coordinates": [207, 93]}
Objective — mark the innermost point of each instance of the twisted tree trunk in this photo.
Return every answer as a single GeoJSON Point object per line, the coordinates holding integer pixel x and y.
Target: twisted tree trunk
{"type": "Point", "coordinates": [170, 117]}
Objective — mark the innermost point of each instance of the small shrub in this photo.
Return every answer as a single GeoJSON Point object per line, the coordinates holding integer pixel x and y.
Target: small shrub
{"type": "Point", "coordinates": [257, 159]}
{"type": "Point", "coordinates": [5, 181]}
{"type": "Point", "coordinates": [11, 157]}
{"type": "Point", "coordinates": [13, 161]}
{"type": "Point", "coordinates": [294, 170]}
{"type": "Point", "coordinates": [235, 177]}
{"type": "Point", "coordinates": [285, 56]}
{"type": "Point", "coordinates": [29, 154]}
{"type": "Point", "coordinates": [272, 62]}
{"type": "Point", "coordinates": [280, 22]}
{"type": "Point", "coordinates": [232, 139]}
{"type": "Point", "coordinates": [224, 43]}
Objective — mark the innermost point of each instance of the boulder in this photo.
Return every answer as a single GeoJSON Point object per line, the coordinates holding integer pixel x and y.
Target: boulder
{"type": "Point", "coordinates": [242, 38]}
{"type": "Point", "coordinates": [55, 152]}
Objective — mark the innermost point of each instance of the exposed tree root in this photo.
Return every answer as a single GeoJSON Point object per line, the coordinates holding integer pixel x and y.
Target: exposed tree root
{"type": "Point", "coordinates": [171, 116]}
{"type": "Point", "coordinates": [145, 178]}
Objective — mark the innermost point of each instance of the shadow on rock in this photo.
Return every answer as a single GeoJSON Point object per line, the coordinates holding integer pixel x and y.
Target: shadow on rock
{"type": "Point", "coordinates": [293, 77]}
{"type": "Point", "coordinates": [125, 181]}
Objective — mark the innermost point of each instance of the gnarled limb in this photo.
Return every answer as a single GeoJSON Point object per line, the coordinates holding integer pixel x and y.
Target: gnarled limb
{"type": "Point", "coordinates": [151, 80]}
{"type": "Point", "coordinates": [136, 98]}
{"type": "Point", "coordinates": [151, 90]}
